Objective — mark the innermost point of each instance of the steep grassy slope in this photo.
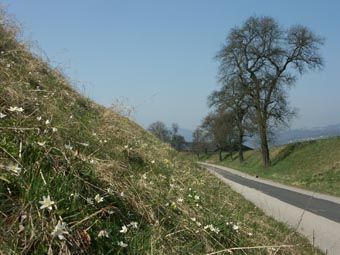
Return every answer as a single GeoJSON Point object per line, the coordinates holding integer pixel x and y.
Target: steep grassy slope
{"type": "Point", "coordinates": [115, 188]}
{"type": "Point", "coordinates": [313, 165]}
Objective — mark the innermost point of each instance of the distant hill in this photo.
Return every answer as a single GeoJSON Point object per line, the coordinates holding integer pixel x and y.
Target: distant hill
{"type": "Point", "coordinates": [293, 135]}
{"type": "Point", "coordinates": [297, 135]}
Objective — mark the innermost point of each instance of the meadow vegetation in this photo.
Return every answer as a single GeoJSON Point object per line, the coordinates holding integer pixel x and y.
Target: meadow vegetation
{"type": "Point", "coordinates": [313, 165]}
{"type": "Point", "coordinates": [78, 178]}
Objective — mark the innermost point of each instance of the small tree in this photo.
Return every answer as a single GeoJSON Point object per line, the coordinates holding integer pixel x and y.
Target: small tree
{"type": "Point", "coordinates": [268, 58]}
{"type": "Point", "coordinates": [177, 141]}
{"type": "Point", "coordinates": [221, 126]}
{"type": "Point", "coordinates": [200, 141]}
{"type": "Point", "coordinates": [159, 129]}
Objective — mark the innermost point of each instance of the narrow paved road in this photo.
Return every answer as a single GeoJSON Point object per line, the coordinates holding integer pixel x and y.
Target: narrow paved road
{"type": "Point", "coordinates": [322, 207]}
{"type": "Point", "coordinates": [314, 215]}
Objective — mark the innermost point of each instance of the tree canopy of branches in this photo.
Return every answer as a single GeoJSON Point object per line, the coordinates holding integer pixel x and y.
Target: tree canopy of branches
{"type": "Point", "coordinates": [159, 129]}
{"type": "Point", "coordinates": [232, 98]}
{"type": "Point", "coordinates": [166, 135]}
{"type": "Point", "coordinates": [200, 141]}
{"type": "Point", "coordinates": [267, 59]}
{"type": "Point", "coordinates": [220, 125]}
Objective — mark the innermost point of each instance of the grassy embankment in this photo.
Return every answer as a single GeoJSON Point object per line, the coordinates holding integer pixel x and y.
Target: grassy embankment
{"type": "Point", "coordinates": [313, 165]}
{"type": "Point", "coordinates": [116, 189]}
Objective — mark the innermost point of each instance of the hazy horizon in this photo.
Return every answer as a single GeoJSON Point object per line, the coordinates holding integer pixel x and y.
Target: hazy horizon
{"type": "Point", "coordinates": [160, 55]}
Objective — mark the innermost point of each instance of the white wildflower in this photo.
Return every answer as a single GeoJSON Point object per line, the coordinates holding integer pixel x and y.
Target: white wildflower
{"type": "Point", "coordinates": [2, 115]}
{"type": "Point", "coordinates": [235, 227]}
{"type": "Point", "coordinates": [54, 129]}
{"type": "Point", "coordinates": [193, 219]}
{"type": "Point", "coordinates": [14, 169]}
{"type": "Point", "coordinates": [153, 162]}
{"type": "Point", "coordinates": [71, 116]}
{"type": "Point", "coordinates": [122, 194]}
{"type": "Point", "coordinates": [124, 229]}
{"type": "Point", "coordinates": [15, 109]}
{"type": "Point", "coordinates": [39, 118]}
{"type": "Point", "coordinates": [98, 199]}
{"type": "Point", "coordinates": [109, 190]}
{"type": "Point", "coordinates": [59, 230]}
{"type": "Point", "coordinates": [198, 223]}
{"type": "Point", "coordinates": [89, 200]}
{"type": "Point", "coordinates": [133, 224]}
{"type": "Point", "coordinates": [103, 233]}
{"type": "Point", "coordinates": [47, 122]}
{"type": "Point", "coordinates": [122, 244]}
{"type": "Point", "coordinates": [41, 143]}
{"type": "Point", "coordinates": [250, 234]}
{"type": "Point", "coordinates": [180, 200]}
{"type": "Point", "coordinates": [197, 197]}
{"type": "Point", "coordinates": [68, 147]}
{"type": "Point", "coordinates": [46, 203]}
{"type": "Point", "coordinates": [144, 176]}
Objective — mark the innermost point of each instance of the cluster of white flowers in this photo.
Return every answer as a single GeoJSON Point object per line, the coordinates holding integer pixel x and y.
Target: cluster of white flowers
{"type": "Point", "coordinates": [133, 224]}
{"type": "Point", "coordinates": [15, 109]}
{"type": "Point", "coordinates": [234, 226]}
{"type": "Point", "coordinates": [13, 169]}
{"type": "Point", "coordinates": [196, 221]}
{"type": "Point", "coordinates": [212, 228]}
{"type": "Point", "coordinates": [2, 115]}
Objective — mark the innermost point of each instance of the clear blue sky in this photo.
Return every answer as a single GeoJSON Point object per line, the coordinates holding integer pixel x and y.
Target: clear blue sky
{"type": "Point", "coordinates": [159, 54]}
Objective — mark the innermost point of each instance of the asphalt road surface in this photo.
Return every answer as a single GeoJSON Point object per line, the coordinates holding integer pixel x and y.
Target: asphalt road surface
{"type": "Point", "coordinates": [314, 215]}
{"type": "Point", "coordinates": [321, 207]}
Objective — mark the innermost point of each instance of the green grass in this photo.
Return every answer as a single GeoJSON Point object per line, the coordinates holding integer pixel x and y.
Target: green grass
{"type": "Point", "coordinates": [313, 165]}
{"type": "Point", "coordinates": [74, 150]}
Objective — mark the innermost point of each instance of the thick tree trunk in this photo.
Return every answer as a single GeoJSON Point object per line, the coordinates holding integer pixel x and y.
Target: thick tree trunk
{"type": "Point", "coordinates": [231, 154]}
{"type": "Point", "coordinates": [240, 155]}
{"type": "Point", "coordinates": [220, 154]}
{"type": "Point", "coordinates": [264, 145]}
{"type": "Point", "coordinates": [240, 144]}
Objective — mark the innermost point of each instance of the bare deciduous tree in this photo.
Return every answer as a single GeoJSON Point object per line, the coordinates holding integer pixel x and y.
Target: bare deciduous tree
{"type": "Point", "coordinates": [268, 59]}
{"type": "Point", "coordinates": [159, 129]}
{"type": "Point", "coordinates": [232, 98]}
{"type": "Point", "coordinates": [220, 125]}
